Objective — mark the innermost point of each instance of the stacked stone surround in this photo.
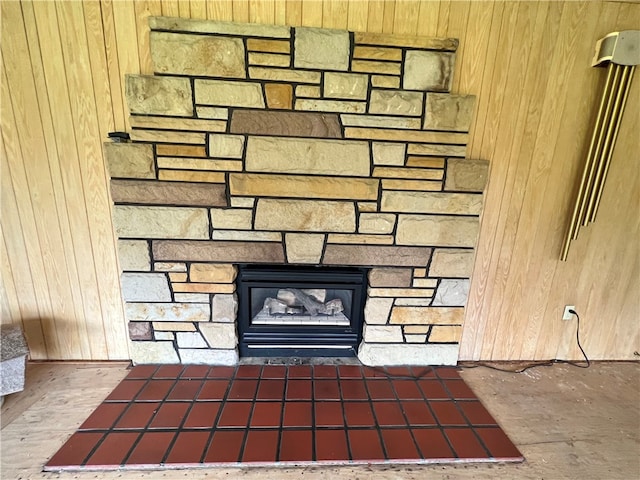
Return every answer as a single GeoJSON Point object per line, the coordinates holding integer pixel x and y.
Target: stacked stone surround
{"type": "Point", "coordinates": [271, 144]}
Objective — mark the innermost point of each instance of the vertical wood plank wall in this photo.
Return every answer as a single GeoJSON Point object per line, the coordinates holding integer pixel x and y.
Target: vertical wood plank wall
{"type": "Point", "coordinates": [528, 62]}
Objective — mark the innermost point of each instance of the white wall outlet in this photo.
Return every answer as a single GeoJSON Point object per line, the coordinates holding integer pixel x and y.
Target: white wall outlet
{"type": "Point", "coordinates": [566, 315]}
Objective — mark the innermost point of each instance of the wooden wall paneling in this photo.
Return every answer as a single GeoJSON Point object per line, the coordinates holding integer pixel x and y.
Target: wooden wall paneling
{"type": "Point", "coordinates": [457, 28]}
{"type": "Point", "coordinates": [428, 19]}
{"type": "Point", "coordinates": [227, 11]}
{"type": "Point", "coordinates": [335, 14]}
{"type": "Point", "coordinates": [261, 11]}
{"type": "Point", "coordinates": [294, 12]}
{"type": "Point", "coordinates": [389, 12]}
{"type": "Point", "coordinates": [375, 16]}
{"type": "Point", "coordinates": [405, 19]}
{"type": "Point", "coordinates": [143, 10]}
{"type": "Point", "coordinates": [280, 12]}
{"type": "Point", "coordinates": [170, 8]}
{"type": "Point", "coordinates": [9, 308]}
{"type": "Point", "coordinates": [311, 14]}
{"type": "Point", "coordinates": [358, 15]}
{"type": "Point", "coordinates": [198, 9]}
{"type": "Point", "coordinates": [184, 8]}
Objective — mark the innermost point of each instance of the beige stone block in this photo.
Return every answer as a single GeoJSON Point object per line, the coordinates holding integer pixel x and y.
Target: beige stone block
{"type": "Point", "coordinates": [420, 272]}
{"type": "Point", "coordinates": [243, 202]}
{"type": "Point", "coordinates": [191, 176]}
{"type": "Point", "coordinates": [379, 223]}
{"type": "Point", "coordinates": [177, 277]}
{"type": "Point", "coordinates": [396, 40]}
{"type": "Point", "coordinates": [223, 28]}
{"type": "Point", "coordinates": [226, 146]}
{"type": "Point", "coordinates": [160, 222]}
{"type": "Point", "coordinates": [176, 123]}
{"type": "Point", "coordinates": [284, 75]}
{"type": "Point", "coordinates": [466, 175]}
{"type": "Point", "coordinates": [211, 164]}
{"type": "Point", "coordinates": [417, 185]}
{"type": "Point", "coordinates": [307, 156]}
{"type": "Point", "coordinates": [219, 335]}
{"type": "Point", "coordinates": [448, 112]}
{"type": "Point", "coordinates": [310, 91]}
{"type": "Point", "coordinates": [358, 239]}
{"type": "Point", "coordinates": [376, 310]}
{"type": "Point", "coordinates": [405, 135]}
{"type": "Point", "coordinates": [129, 160]}
{"type": "Point", "coordinates": [401, 172]}
{"type": "Point", "coordinates": [437, 150]}
{"type": "Point", "coordinates": [305, 215]}
{"type": "Point", "coordinates": [345, 85]}
{"type": "Point", "coordinates": [413, 302]}
{"type": "Point", "coordinates": [339, 106]}
{"type": "Point", "coordinates": [158, 95]}
{"type": "Point", "coordinates": [153, 352]}
{"type": "Point", "coordinates": [169, 267]}
{"type": "Point", "coordinates": [190, 340]}
{"type": "Point", "coordinates": [374, 255]}
{"type": "Point", "coordinates": [445, 334]}
{"type": "Point", "coordinates": [174, 326]}
{"type": "Point", "coordinates": [197, 55]}
{"type": "Point", "coordinates": [212, 272]}
{"type": "Point", "coordinates": [218, 251]}
{"type": "Point", "coordinates": [390, 277]}
{"type": "Point", "coordinates": [164, 336]}
{"type": "Point", "coordinates": [388, 153]}
{"type": "Point", "coordinates": [220, 113]}
{"type": "Point", "coordinates": [246, 235]}
{"type": "Point", "coordinates": [373, 66]}
{"type": "Point", "coordinates": [401, 292]}
{"type": "Point", "coordinates": [385, 81]}
{"type": "Point", "coordinates": [378, 53]}
{"type": "Point", "coordinates": [134, 255]}
{"type": "Point", "coordinates": [269, 59]}
{"type": "Point", "coordinates": [269, 46]}
{"type": "Point", "coordinates": [228, 93]}
{"type": "Point", "coordinates": [322, 49]}
{"type": "Point", "coordinates": [451, 262]}
{"type": "Point", "coordinates": [224, 308]}
{"type": "Point", "coordinates": [168, 312]}
{"type": "Point", "coordinates": [382, 334]}
{"type": "Point", "coordinates": [427, 315]}
{"type": "Point", "coordinates": [426, 162]}
{"type": "Point", "coordinates": [437, 230]}
{"type": "Point", "coordinates": [367, 206]}
{"type": "Point", "coordinates": [304, 247]}
{"type": "Point", "coordinates": [396, 102]}
{"type": "Point", "coordinates": [303, 186]}
{"type": "Point", "coordinates": [191, 297]}
{"type": "Point", "coordinates": [416, 329]}
{"type": "Point", "coordinates": [179, 150]}
{"type": "Point", "coordinates": [387, 354]}
{"type": "Point", "coordinates": [415, 338]}
{"type": "Point", "coordinates": [279, 95]}
{"type": "Point", "coordinates": [165, 136]}
{"type": "Point", "coordinates": [431, 202]}
{"type": "Point", "coordinates": [424, 282]}
{"type": "Point", "coordinates": [167, 193]}
{"type": "Point", "coordinates": [231, 218]}
{"type": "Point", "coordinates": [428, 70]}
{"type": "Point", "coordinates": [286, 123]}
{"type": "Point", "coordinates": [203, 287]}
{"type": "Point", "coordinates": [380, 121]}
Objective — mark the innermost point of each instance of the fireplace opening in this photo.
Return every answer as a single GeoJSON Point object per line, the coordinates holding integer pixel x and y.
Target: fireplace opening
{"type": "Point", "coordinates": [290, 311]}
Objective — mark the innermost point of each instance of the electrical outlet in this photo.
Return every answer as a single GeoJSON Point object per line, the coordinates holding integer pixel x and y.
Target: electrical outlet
{"type": "Point", "coordinates": [566, 315]}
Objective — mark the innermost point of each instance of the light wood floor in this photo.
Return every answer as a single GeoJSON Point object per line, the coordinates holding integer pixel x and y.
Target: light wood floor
{"type": "Point", "coordinates": [569, 423]}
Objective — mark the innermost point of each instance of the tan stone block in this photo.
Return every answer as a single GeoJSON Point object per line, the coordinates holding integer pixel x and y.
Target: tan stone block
{"type": "Point", "coordinates": [417, 185]}
{"type": "Point", "coordinates": [390, 277]}
{"type": "Point", "coordinates": [168, 312]}
{"type": "Point", "coordinates": [228, 93]}
{"type": "Point", "coordinates": [180, 150]}
{"type": "Point", "coordinates": [226, 146]}
{"type": "Point", "coordinates": [265, 185]}
{"type": "Point", "coordinates": [129, 160]}
{"type": "Point", "coordinates": [220, 113]}
{"type": "Point", "coordinates": [243, 202]}
{"type": "Point", "coordinates": [279, 96]}
{"type": "Point", "coordinates": [220, 335]}
{"type": "Point", "coordinates": [284, 75]}
{"type": "Point", "coordinates": [448, 112]}
{"type": "Point", "coordinates": [217, 251]}
{"type": "Point", "coordinates": [382, 334]}
{"type": "Point", "coordinates": [345, 85]}
{"type": "Point", "coordinates": [380, 223]}
{"type": "Point", "coordinates": [134, 255]}
{"type": "Point", "coordinates": [304, 247]}
{"type": "Point", "coordinates": [204, 287]}
{"type": "Point", "coordinates": [231, 218]}
{"type": "Point", "coordinates": [167, 193]}
{"type": "Point", "coordinates": [174, 327]}
{"type": "Point", "coordinates": [384, 121]}
{"type": "Point", "coordinates": [197, 55]}
{"type": "Point", "coordinates": [397, 40]}
{"type": "Point", "coordinates": [415, 338]}
{"type": "Point", "coordinates": [413, 302]}
{"type": "Point", "coordinates": [374, 255]}
{"type": "Point", "coordinates": [420, 272]}
{"type": "Point", "coordinates": [153, 352]}
{"type": "Point", "coordinates": [211, 164]}
{"type": "Point", "coordinates": [405, 135]}
{"type": "Point", "coordinates": [305, 215]}
{"type": "Point", "coordinates": [431, 202]}
{"type": "Point", "coordinates": [212, 273]}
{"type": "Point", "coordinates": [466, 175]}
{"type": "Point", "coordinates": [178, 277]}
{"type": "Point", "coordinates": [158, 95]}
{"type": "Point", "coordinates": [367, 206]}
{"type": "Point", "coordinates": [305, 156]}
{"type": "Point", "coordinates": [373, 66]}
{"type": "Point", "coordinates": [343, 106]}
{"type": "Point", "coordinates": [437, 150]}
{"type": "Point", "coordinates": [385, 81]}
{"type": "Point", "coordinates": [445, 334]}
{"type": "Point", "coordinates": [416, 329]}
{"type": "Point", "coordinates": [428, 70]}
{"type": "Point", "coordinates": [223, 28]}
{"type": "Point", "coordinates": [378, 53]}
{"type": "Point", "coordinates": [437, 230]}
{"type": "Point", "coordinates": [376, 310]}
{"type": "Point", "coordinates": [174, 123]}
{"type": "Point", "coordinates": [269, 46]}
{"type": "Point", "coordinates": [452, 263]}
{"type": "Point", "coordinates": [424, 282]}
{"type": "Point", "coordinates": [189, 176]}
{"type": "Point", "coordinates": [269, 59]}
{"type": "Point", "coordinates": [166, 136]}
{"type": "Point", "coordinates": [160, 222]}
{"type": "Point", "coordinates": [427, 315]}
{"type": "Point", "coordinates": [169, 267]}
{"type": "Point", "coordinates": [286, 124]}
{"type": "Point", "coordinates": [400, 172]}
{"type": "Point", "coordinates": [322, 49]}
{"type": "Point", "coordinates": [401, 292]}
{"type": "Point", "coordinates": [310, 91]}
{"type": "Point", "coordinates": [360, 239]}
{"type": "Point", "coordinates": [388, 153]}
{"type": "Point", "coordinates": [246, 235]}
{"type": "Point", "coordinates": [426, 162]}
{"type": "Point", "coordinates": [396, 102]}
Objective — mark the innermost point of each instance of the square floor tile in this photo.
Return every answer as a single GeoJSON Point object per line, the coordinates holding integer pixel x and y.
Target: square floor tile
{"type": "Point", "coordinates": [498, 443]}
{"type": "Point", "coordinates": [170, 415]}
{"type": "Point", "coordinates": [261, 446]}
{"type": "Point", "coordinates": [388, 414]}
{"type": "Point", "coordinates": [185, 390]}
{"type": "Point", "coordinates": [296, 446]}
{"type": "Point", "coordinates": [374, 372]}
{"type": "Point", "coordinates": [433, 390]}
{"type": "Point", "coordinates": [447, 414]}
{"type": "Point", "coordinates": [266, 414]}
{"type": "Point", "coordinates": [114, 449]}
{"type": "Point", "coordinates": [248, 371]}
{"type": "Point", "coordinates": [219, 371]}
{"type": "Point", "coordinates": [365, 445]}
{"type": "Point", "coordinates": [476, 413]}
{"type": "Point", "coordinates": [225, 446]}
{"type": "Point", "coordinates": [243, 390]}
{"type": "Point", "coordinates": [423, 373]}
{"type": "Point", "coordinates": [354, 390]}
{"type": "Point", "coordinates": [188, 447]}
{"type": "Point", "coordinates": [432, 443]}
{"type": "Point", "coordinates": [325, 371]}
{"type": "Point", "coordinates": [195, 371]}
{"type": "Point", "coordinates": [141, 371]}
{"type": "Point", "coordinates": [380, 389]}
{"type": "Point", "coordinates": [329, 414]}
{"type": "Point", "coordinates": [151, 448]}
{"type": "Point", "coordinates": [235, 414]}
{"type": "Point", "coordinates": [459, 389]}
{"type": "Point", "coordinates": [349, 371]}
{"type": "Point", "coordinates": [465, 443]}
{"type": "Point", "coordinates": [299, 389]}
{"type": "Point", "coordinates": [213, 390]}
{"type": "Point", "coordinates": [168, 371]}
{"type": "Point", "coordinates": [399, 372]}
{"type": "Point", "coordinates": [399, 444]}
{"type": "Point", "coordinates": [155, 390]}
{"type": "Point", "coordinates": [104, 416]}
{"type": "Point", "coordinates": [407, 390]}
{"type": "Point", "coordinates": [326, 390]}
{"type": "Point", "coordinates": [447, 372]}
{"type": "Point", "coordinates": [202, 415]}
{"type": "Point", "coordinates": [298, 414]}
{"type": "Point", "coordinates": [358, 414]}
{"type": "Point", "coordinates": [299, 371]}
{"type": "Point", "coordinates": [274, 371]}
{"type": "Point", "coordinates": [137, 415]}
{"type": "Point", "coordinates": [126, 391]}
{"type": "Point", "coordinates": [270, 390]}
{"type": "Point", "coordinates": [331, 445]}
{"type": "Point", "coordinates": [76, 449]}
{"type": "Point", "coordinates": [417, 412]}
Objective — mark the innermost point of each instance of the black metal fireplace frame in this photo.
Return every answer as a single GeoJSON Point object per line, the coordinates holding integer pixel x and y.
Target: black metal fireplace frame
{"type": "Point", "coordinates": [285, 340]}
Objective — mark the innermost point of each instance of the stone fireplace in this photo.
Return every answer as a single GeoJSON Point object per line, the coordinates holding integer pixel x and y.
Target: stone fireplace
{"type": "Point", "coordinates": [281, 146]}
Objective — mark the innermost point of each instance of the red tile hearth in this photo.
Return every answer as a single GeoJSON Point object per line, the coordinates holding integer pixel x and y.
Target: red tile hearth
{"type": "Point", "coordinates": [173, 416]}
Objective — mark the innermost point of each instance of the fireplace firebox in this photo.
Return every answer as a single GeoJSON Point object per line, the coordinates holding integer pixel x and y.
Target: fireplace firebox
{"type": "Point", "coordinates": [290, 311]}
